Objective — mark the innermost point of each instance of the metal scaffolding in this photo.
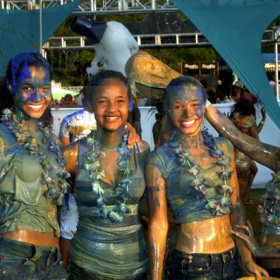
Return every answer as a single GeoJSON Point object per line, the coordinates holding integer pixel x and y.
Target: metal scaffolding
{"type": "Point", "coordinates": [102, 7]}
{"type": "Point", "coordinates": [89, 7]}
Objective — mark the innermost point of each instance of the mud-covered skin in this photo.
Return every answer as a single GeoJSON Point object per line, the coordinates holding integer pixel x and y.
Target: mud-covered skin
{"type": "Point", "coordinates": [265, 154]}
{"type": "Point", "coordinates": [185, 108]}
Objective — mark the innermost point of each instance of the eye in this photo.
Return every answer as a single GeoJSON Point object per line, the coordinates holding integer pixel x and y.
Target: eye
{"type": "Point", "coordinates": [120, 101]}
{"type": "Point", "coordinates": [102, 101]}
{"type": "Point", "coordinates": [46, 88]}
{"type": "Point", "coordinates": [27, 88]}
{"type": "Point", "coordinates": [177, 106]}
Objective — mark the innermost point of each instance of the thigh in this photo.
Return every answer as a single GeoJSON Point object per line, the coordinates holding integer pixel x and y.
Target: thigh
{"type": "Point", "coordinates": [13, 262]}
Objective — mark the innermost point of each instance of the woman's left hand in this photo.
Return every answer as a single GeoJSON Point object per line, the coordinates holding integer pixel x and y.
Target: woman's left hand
{"type": "Point", "coordinates": [133, 137]}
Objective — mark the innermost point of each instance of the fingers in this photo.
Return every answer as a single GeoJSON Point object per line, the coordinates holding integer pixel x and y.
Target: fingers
{"type": "Point", "coordinates": [260, 273]}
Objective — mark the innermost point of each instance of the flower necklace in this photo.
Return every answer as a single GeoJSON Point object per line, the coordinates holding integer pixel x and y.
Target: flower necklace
{"type": "Point", "coordinates": [95, 174]}
{"type": "Point", "coordinates": [270, 202]}
{"type": "Point", "coordinates": [57, 185]}
{"type": "Point", "coordinates": [215, 205]}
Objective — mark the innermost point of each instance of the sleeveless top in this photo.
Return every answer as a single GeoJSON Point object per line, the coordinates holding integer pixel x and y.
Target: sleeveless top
{"type": "Point", "coordinates": [186, 203]}
{"type": "Point", "coordinates": [23, 204]}
{"type": "Point", "coordinates": [111, 249]}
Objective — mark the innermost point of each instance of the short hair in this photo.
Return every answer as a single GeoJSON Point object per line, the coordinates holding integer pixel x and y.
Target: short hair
{"type": "Point", "coordinates": [183, 81]}
{"type": "Point", "coordinates": [98, 79]}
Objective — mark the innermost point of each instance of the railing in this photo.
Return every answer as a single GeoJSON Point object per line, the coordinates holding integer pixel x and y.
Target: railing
{"type": "Point", "coordinates": [144, 40]}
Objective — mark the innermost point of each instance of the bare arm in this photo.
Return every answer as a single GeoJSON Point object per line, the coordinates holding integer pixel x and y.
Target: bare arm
{"type": "Point", "coordinates": [246, 233]}
{"type": "Point", "coordinates": [158, 226]}
{"type": "Point", "coordinates": [265, 154]}
{"type": "Point", "coordinates": [261, 123]}
{"type": "Point", "coordinates": [238, 217]}
{"type": "Point", "coordinates": [70, 154]}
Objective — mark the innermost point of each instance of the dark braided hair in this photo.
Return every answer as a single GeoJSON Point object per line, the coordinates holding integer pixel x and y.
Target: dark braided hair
{"type": "Point", "coordinates": [13, 70]}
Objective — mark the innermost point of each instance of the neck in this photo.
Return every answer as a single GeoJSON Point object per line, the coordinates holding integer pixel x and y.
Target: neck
{"type": "Point", "coordinates": [109, 139]}
{"type": "Point", "coordinates": [27, 122]}
{"type": "Point", "coordinates": [194, 141]}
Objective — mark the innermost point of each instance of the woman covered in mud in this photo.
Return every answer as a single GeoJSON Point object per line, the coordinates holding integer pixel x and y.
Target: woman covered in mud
{"type": "Point", "coordinates": [195, 175]}
{"type": "Point", "coordinates": [32, 176]}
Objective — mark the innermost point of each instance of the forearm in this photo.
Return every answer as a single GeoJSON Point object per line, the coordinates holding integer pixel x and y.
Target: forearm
{"type": "Point", "coordinates": [265, 154]}
{"type": "Point", "coordinates": [157, 246]}
{"type": "Point", "coordinates": [238, 217]}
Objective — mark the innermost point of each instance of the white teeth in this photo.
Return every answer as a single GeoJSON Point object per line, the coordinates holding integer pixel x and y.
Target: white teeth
{"type": "Point", "coordinates": [35, 106]}
{"type": "Point", "coordinates": [111, 118]}
{"type": "Point", "coordinates": [188, 123]}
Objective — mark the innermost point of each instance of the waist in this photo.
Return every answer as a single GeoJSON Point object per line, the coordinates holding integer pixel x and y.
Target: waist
{"type": "Point", "coordinates": [207, 236]}
{"type": "Point", "coordinates": [183, 258]}
{"type": "Point", "coordinates": [32, 237]}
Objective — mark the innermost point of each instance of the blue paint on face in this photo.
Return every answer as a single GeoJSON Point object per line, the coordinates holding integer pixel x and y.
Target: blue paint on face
{"type": "Point", "coordinates": [33, 90]}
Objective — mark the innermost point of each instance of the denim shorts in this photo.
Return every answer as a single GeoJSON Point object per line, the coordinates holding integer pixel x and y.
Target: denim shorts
{"type": "Point", "coordinates": [78, 273]}
{"type": "Point", "coordinates": [180, 266]}
{"type": "Point", "coordinates": [23, 261]}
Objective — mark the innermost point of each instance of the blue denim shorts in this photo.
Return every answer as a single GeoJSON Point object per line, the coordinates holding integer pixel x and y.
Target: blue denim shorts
{"type": "Point", "coordinates": [180, 266]}
{"type": "Point", "coordinates": [23, 261]}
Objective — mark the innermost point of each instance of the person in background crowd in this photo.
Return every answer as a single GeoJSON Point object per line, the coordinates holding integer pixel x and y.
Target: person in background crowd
{"type": "Point", "coordinates": [222, 95]}
{"type": "Point", "coordinates": [77, 125]}
{"type": "Point", "coordinates": [68, 101]}
{"type": "Point", "coordinates": [32, 176]}
{"type": "Point", "coordinates": [73, 127]}
{"type": "Point", "coordinates": [236, 92]}
{"type": "Point", "coordinates": [243, 115]}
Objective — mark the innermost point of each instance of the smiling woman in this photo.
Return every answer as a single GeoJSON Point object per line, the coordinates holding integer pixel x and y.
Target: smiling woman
{"type": "Point", "coordinates": [32, 178]}
{"type": "Point", "coordinates": [195, 175]}
{"type": "Point", "coordinates": [109, 242]}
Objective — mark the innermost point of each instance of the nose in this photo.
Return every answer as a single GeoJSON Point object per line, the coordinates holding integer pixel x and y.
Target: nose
{"type": "Point", "coordinates": [188, 111]}
{"type": "Point", "coordinates": [36, 96]}
{"type": "Point", "coordinates": [111, 106]}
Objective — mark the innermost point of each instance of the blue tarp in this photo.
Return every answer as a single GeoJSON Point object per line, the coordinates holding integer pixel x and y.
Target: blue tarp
{"type": "Point", "coordinates": [20, 29]}
{"type": "Point", "coordinates": [235, 29]}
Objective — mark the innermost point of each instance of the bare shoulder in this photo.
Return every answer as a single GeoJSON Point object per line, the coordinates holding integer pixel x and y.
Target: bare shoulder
{"type": "Point", "coordinates": [70, 153]}
{"type": "Point", "coordinates": [143, 146]}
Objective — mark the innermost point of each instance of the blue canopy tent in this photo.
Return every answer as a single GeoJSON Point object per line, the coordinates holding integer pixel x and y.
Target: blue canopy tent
{"type": "Point", "coordinates": [24, 30]}
{"type": "Point", "coordinates": [235, 29]}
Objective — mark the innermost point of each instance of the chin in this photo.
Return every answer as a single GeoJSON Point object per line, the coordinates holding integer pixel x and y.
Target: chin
{"type": "Point", "coordinates": [35, 115]}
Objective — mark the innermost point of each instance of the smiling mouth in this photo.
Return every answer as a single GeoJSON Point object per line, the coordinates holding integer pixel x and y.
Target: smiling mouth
{"type": "Point", "coordinates": [111, 118]}
{"type": "Point", "coordinates": [35, 106]}
{"type": "Point", "coordinates": [188, 124]}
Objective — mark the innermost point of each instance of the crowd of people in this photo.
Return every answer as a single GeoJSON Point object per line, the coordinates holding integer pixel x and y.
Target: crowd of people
{"type": "Point", "coordinates": [116, 199]}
